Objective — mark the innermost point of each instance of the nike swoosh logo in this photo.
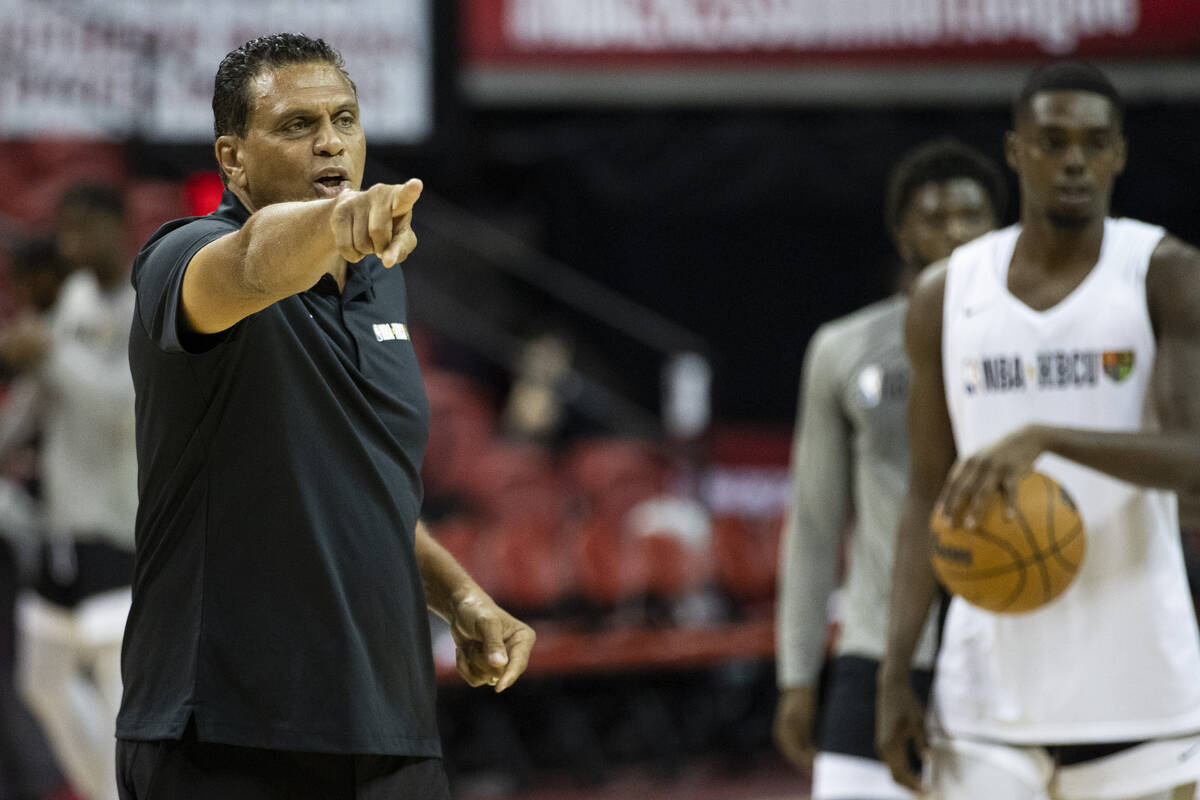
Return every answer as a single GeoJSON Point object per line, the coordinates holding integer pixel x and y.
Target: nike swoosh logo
{"type": "Point", "coordinates": [1191, 751]}
{"type": "Point", "coordinates": [971, 311]}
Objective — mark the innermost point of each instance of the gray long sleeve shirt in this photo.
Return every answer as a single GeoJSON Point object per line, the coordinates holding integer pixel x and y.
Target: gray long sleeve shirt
{"type": "Point", "coordinates": [849, 456]}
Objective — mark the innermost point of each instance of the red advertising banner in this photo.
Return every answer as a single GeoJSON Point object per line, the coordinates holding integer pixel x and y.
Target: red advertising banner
{"type": "Point", "coordinates": [715, 33]}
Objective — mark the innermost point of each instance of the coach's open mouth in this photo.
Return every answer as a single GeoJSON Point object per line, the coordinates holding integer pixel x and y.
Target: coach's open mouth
{"type": "Point", "coordinates": [331, 182]}
{"type": "Point", "coordinates": [330, 187]}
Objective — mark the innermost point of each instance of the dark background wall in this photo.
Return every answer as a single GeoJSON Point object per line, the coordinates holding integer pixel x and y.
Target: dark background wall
{"type": "Point", "coordinates": [751, 227]}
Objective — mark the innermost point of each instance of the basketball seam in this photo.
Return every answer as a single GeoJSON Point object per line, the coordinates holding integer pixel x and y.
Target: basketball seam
{"type": "Point", "coordinates": [1036, 557]}
{"type": "Point", "coordinates": [1003, 544]}
{"type": "Point", "coordinates": [1016, 563]}
{"type": "Point", "coordinates": [1070, 537]}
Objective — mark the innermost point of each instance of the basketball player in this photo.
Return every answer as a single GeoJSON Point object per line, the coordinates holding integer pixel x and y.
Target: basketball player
{"type": "Point", "coordinates": [76, 383]}
{"type": "Point", "coordinates": [279, 645]}
{"type": "Point", "coordinates": [851, 451]}
{"type": "Point", "coordinates": [1033, 347]}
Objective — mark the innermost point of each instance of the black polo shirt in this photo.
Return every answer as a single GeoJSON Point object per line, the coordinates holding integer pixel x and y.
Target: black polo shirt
{"type": "Point", "coordinates": [276, 597]}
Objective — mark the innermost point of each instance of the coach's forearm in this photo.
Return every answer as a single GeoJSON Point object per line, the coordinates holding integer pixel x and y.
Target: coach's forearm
{"type": "Point", "coordinates": [1169, 460]}
{"type": "Point", "coordinates": [914, 589]}
{"type": "Point", "coordinates": [286, 248]}
{"type": "Point", "coordinates": [446, 583]}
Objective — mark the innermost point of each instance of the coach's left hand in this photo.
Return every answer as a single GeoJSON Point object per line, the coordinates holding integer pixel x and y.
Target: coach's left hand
{"type": "Point", "coordinates": [492, 646]}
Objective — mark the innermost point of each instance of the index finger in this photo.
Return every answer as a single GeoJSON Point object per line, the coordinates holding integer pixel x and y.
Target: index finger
{"type": "Point", "coordinates": [520, 645]}
{"type": "Point", "coordinates": [405, 196]}
{"type": "Point", "coordinates": [962, 500]}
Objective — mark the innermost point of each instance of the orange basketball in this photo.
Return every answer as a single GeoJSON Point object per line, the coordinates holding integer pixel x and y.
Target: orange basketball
{"type": "Point", "coordinates": [1013, 564]}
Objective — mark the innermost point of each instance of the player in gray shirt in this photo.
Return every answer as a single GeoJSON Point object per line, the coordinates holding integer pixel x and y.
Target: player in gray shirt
{"type": "Point", "coordinates": [850, 464]}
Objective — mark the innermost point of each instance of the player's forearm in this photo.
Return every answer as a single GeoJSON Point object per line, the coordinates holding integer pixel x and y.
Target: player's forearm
{"type": "Point", "coordinates": [286, 248]}
{"type": "Point", "coordinates": [808, 576]}
{"type": "Point", "coordinates": [914, 587]}
{"type": "Point", "coordinates": [446, 583]}
{"type": "Point", "coordinates": [19, 415]}
{"type": "Point", "coordinates": [1169, 460]}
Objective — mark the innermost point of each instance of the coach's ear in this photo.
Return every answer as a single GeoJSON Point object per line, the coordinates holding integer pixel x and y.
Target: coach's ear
{"type": "Point", "coordinates": [229, 157]}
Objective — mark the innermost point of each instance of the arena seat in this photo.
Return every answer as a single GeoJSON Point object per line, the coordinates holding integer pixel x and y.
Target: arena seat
{"type": "Point", "coordinates": [516, 482]}
{"type": "Point", "coordinates": [672, 536]}
{"type": "Point", "coordinates": [462, 424]}
{"type": "Point", "coordinates": [610, 569]}
{"type": "Point", "coordinates": [527, 566]}
{"type": "Point", "coordinates": [747, 555]}
{"type": "Point", "coordinates": [615, 474]}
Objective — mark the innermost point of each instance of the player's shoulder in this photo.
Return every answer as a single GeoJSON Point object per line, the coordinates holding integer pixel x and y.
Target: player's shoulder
{"type": "Point", "coordinates": [1173, 253]}
{"type": "Point", "coordinates": [930, 286]}
{"type": "Point", "coordinates": [1173, 281]}
{"type": "Point", "coordinates": [864, 321]}
{"type": "Point", "coordinates": [923, 323]}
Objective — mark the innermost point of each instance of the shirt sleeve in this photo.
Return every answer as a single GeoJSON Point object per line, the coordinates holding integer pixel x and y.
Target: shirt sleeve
{"type": "Point", "coordinates": [19, 415]}
{"type": "Point", "coordinates": [158, 278]}
{"type": "Point", "coordinates": [820, 500]}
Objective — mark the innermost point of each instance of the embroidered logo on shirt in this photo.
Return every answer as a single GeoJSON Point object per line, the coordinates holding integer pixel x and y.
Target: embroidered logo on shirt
{"type": "Point", "coordinates": [1001, 373]}
{"type": "Point", "coordinates": [1117, 364]}
{"type": "Point", "coordinates": [390, 331]}
{"type": "Point", "coordinates": [876, 385]}
{"type": "Point", "coordinates": [1050, 370]}
{"type": "Point", "coordinates": [870, 386]}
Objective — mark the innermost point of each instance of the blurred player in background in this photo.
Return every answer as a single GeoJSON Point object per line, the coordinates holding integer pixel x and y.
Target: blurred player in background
{"type": "Point", "coordinates": [28, 770]}
{"type": "Point", "coordinates": [851, 455]}
{"type": "Point", "coordinates": [75, 368]}
{"type": "Point", "coordinates": [1036, 345]}
{"type": "Point", "coordinates": [279, 641]}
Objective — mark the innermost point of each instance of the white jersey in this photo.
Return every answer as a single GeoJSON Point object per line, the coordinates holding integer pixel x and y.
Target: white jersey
{"type": "Point", "coordinates": [1117, 656]}
{"type": "Point", "coordinates": [89, 461]}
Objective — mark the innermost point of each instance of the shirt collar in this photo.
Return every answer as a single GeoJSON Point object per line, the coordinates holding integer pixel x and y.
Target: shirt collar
{"type": "Point", "coordinates": [231, 208]}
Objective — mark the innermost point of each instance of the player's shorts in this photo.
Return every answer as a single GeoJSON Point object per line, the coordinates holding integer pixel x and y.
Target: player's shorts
{"type": "Point", "coordinates": [995, 771]}
{"type": "Point", "coordinates": [82, 594]}
{"type": "Point", "coordinates": [81, 567]}
{"type": "Point", "coordinates": [848, 766]}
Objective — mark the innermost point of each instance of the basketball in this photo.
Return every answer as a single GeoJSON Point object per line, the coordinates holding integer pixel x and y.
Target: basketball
{"type": "Point", "coordinates": [1013, 564]}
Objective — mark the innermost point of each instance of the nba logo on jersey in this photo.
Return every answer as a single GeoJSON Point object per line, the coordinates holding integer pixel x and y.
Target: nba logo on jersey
{"type": "Point", "coordinates": [870, 386]}
{"type": "Point", "coordinates": [972, 375]}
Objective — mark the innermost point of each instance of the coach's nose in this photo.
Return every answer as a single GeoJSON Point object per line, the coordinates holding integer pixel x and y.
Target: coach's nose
{"type": "Point", "coordinates": [328, 142]}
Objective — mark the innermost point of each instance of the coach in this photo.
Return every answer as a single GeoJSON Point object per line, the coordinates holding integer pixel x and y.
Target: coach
{"type": "Point", "coordinates": [278, 645]}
